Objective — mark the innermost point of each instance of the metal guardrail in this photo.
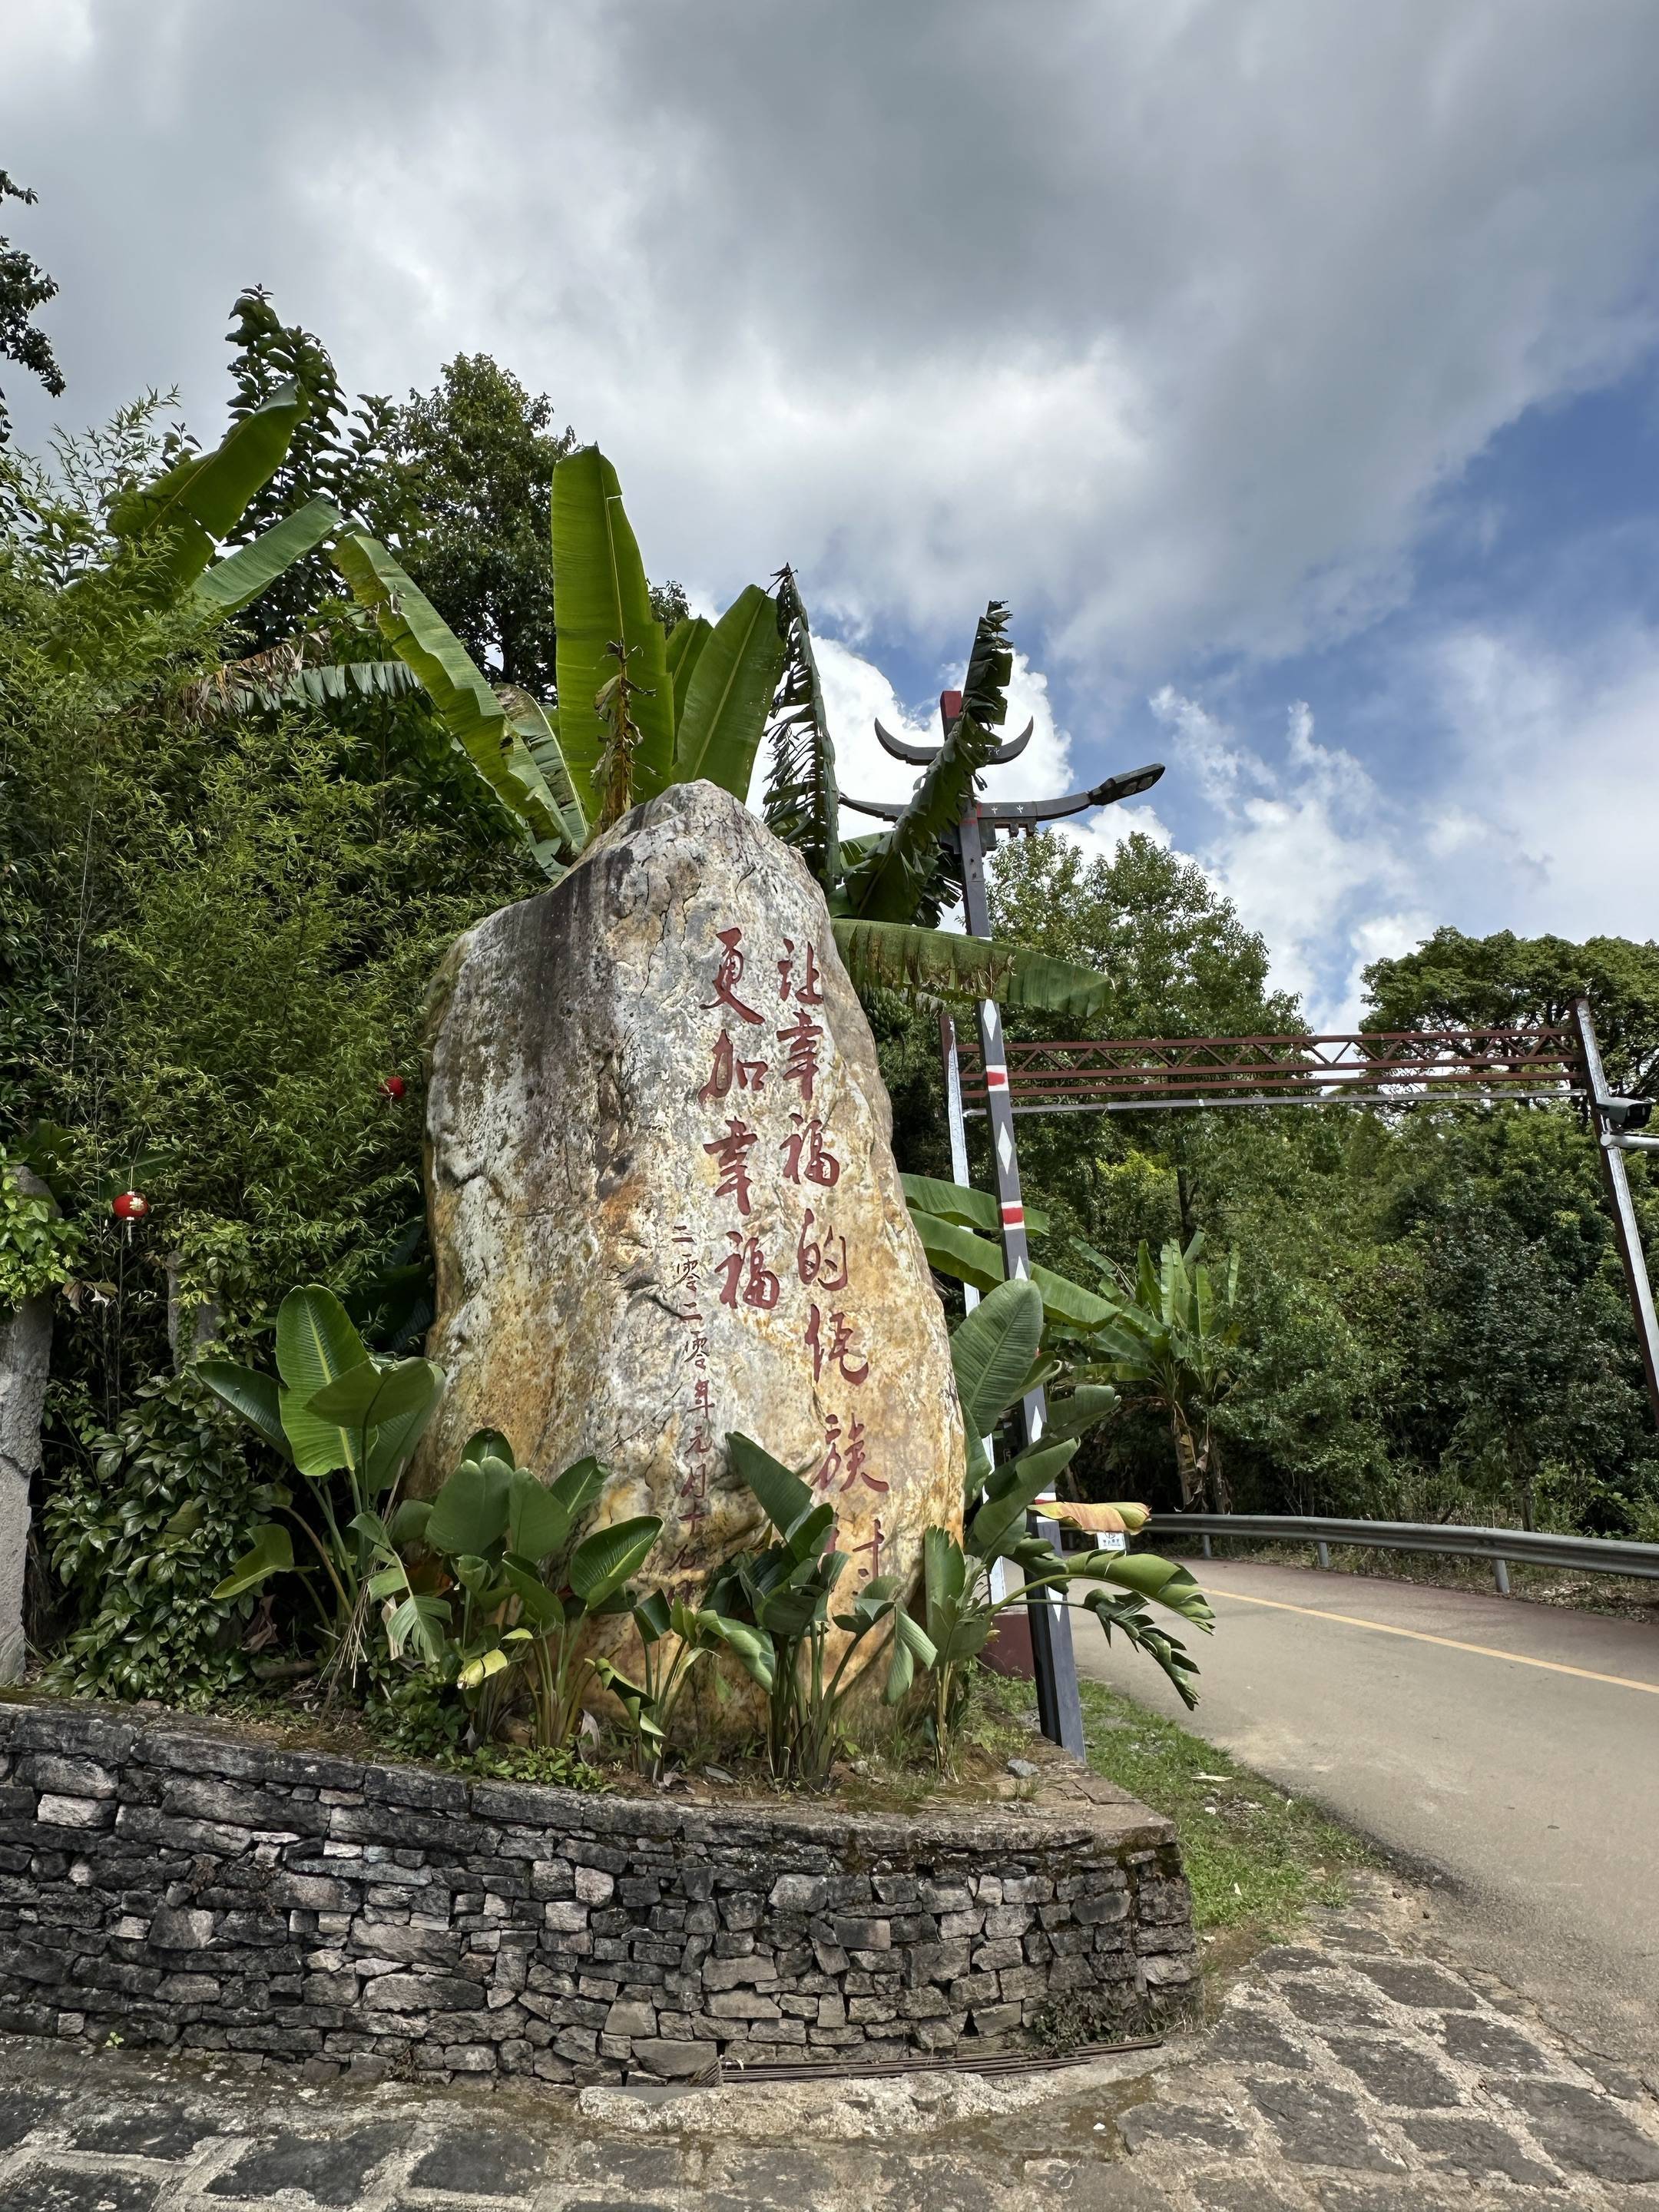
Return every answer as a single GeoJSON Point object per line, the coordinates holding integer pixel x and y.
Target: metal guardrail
{"type": "Point", "coordinates": [1602, 1555]}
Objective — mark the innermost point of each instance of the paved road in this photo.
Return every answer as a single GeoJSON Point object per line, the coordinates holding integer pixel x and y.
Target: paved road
{"type": "Point", "coordinates": [1532, 1789]}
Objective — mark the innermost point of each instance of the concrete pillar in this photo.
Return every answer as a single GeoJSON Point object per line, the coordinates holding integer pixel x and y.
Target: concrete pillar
{"type": "Point", "coordinates": [24, 1358]}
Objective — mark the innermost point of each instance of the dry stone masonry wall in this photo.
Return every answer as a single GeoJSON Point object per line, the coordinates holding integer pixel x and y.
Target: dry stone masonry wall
{"type": "Point", "coordinates": [211, 1894]}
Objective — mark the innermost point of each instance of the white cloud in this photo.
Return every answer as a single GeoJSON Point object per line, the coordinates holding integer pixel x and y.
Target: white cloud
{"type": "Point", "coordinates": [1555, 788]}
{"type": "Point", "coordinates": [1167, 323]}
{"type": "Point", "coordinates": [1311, 851]}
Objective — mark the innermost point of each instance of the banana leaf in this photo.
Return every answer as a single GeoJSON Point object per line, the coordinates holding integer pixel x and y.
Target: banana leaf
{"type": "Point", "coordinates": [729, 695]}
{"type": "Point", "coordinates": [270, 1553]}
{"type": "Point", "coordinates": [913, 877]}
{"type": "Point", "coordinates": [538, 726]}
{"type": "Point", "coordinates": [784, 1498]}
{"type": "Point", "coordinates": [803, 803]}
{"type": "Point", "coordinates": [1001, 1519]}
{"type": "Point", "coordinates": [602, 1563]}
{"type": "Point", "coordinates": [256, 1397]}
{"type": "Point", "coordinates": [601, 600]}
{"type": "Point", "coordinates": [684, 650]}
{"type": "Point", "coordinates": [241, 577]}
{"type": "Point", "coordinates": [537, 1521]}
{"type": "Point", "coordinates": [912, 1646]}
{"type": "Point", "coordinates": [469, 1515]}
{"type": "Point", "coordinates": [992, 1351]}
{"type": "Point", "coordinates": [316, 1343]}
{"type": "Point", "coordinates": [903, 956]}
{"type": "Point", "coordinates": [467, 705]}
{"type": "Point", "coordinates": [966, 1208]}
{"type": "Point", "coordinates": [201, 499]}
{"type": "Point", "coordinates": [970, 1259]}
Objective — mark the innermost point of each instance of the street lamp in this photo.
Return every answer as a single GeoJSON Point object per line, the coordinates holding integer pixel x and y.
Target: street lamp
{"type": "Point", "coordinates": [974, 833]}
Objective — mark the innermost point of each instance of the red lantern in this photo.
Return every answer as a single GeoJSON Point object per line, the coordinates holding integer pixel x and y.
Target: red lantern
{"type": "Point", "coordinates": [131, 1206]}
{"type": "Point", "coordinates": [393, 1088]}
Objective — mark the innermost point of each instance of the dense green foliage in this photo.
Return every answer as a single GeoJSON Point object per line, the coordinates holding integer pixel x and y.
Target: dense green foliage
{"type": "Point", "coordinates": [141, 1522]}
{"type": "Point", "coordinates": [1432, 1320]}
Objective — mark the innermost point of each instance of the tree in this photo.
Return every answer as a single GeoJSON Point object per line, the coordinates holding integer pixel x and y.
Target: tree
{"type": "Point", "coordinates": [337, 452]}
{"type": "Point", "coordinates": [1454, 981]}
{"type": "Point", "coordinates": [467, 497]}
{"type": "Point", "coordinates": [1177, 959]}
{"type": "Point", "coordinates": [24, 286]}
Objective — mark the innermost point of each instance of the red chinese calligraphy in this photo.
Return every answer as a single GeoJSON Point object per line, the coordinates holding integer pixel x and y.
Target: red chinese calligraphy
{"type": "Point", "coordinates": [762, 1287]}
{"type": "Point", "coordinates": [819, 1165]}
{"type": "Point", "coordinates": [873, 1547]}
{"type": "Point", "coordinates": [731, 1155]}
{"type": "Point", "coordinates": [846, 1465]}
{"type": "Point", "coordinates": [729, 975]}
{"type": "Point", "coordinates": [803, 1037]}
{"type": "Point", "coordinates": [749, 1074]}
{"type": "Point", "coordinates": [810, 993]}
{"type": "Point", "coordinates": [837, 1351]}
{"type": "Point", "coordinates": [816, 1258]}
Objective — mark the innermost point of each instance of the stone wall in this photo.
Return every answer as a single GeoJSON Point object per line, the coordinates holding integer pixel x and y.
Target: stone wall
{"type": "Point", "coordinates": [213, 1894]}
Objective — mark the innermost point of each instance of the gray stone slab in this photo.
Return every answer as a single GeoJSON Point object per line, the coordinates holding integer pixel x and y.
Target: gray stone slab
{"type": "Point", "coordinates": [1395, 2073]}
{"type": "Point", "coordinates": [481, 2162]}
{"type": "Point", "coordinates": [1412, 2193]}
{"type": "Point", "coordinates": [1479, 2040]}
{"type": "Point", "coordinates": [331, 2168]}
{"type": "Point", "coordinates": [20, 2112]}
{"type": "Point", "coordinates": [50, 2187]}
{"type": "Point", "coordinates": [647, 2169]}
{"type": "Point", "coordinates": [143, 2131]}
{"type": "Point", "coordinates": [1247, 2038]}
{"type": "Point", "coordinates": [1410, 1982]}
{"type": "Point", "coordinates": [1479, 2147]}
{"type": "Point", "coordinates": [1156, 2124]}
{"type": "Point", "coordinates": [1331, 2004]}
{"type": "Point", "coordinates": [1097, 2188]}
{"type": "Point", "coordinates": [1586, 2131]}
{"type": "Point", "coordinates": [1289, 1958]}
{"type": "Point", "coordinates": [793, 2179]}
{"type": "Point", "coordinates": [1320, 2126]}
{"type": "Point", "coordinates": [1229, 2191]}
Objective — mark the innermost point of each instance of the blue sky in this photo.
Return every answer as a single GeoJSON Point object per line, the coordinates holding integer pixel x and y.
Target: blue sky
{"type": "Point", "coordinates": [1290, 369]}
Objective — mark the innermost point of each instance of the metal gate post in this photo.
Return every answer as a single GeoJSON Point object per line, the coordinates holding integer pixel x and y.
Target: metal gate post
{"type": "Point", "coordinates": [1619, 1198]}
{"type": "Point", "coordinates": [1059, 1709]}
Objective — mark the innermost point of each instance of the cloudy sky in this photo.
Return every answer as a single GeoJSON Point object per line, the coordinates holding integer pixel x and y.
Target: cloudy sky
{"type": "Point", "coordinates": [1292, 368]}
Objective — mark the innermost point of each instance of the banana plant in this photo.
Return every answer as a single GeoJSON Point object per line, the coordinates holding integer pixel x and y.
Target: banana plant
{"type": "Point", "coordinates": [331, 1410]}
{"type": "Point", "coordinates": [996, 1353]}
{"type": "Point", "coordinates": [1172, 1340]}
{"type": "Point", "coordinates": [501, 1586]}
{"type": "Point", "coordinates": [638, 711]}
{"type": "Point", "coordinates": [886, 892]}
{"type": "Point", "coordinates": [785, 1592]}
{"type": "Point", "coordinates": [673, 1636]}
{"type": "Point", "coordinates": [175, 523]}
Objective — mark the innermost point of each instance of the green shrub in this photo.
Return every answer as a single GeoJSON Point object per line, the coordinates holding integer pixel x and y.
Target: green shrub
{"type": "Point", "coordinates": [143, 1522]}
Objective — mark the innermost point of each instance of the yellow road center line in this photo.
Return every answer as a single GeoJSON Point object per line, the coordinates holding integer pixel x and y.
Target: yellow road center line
{"type": "Point", "coordinates": [1448, 1643]}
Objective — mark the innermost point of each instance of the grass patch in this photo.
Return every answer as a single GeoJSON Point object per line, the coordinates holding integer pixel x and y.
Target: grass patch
{"type": "Point", "coordinates": [1253, 1855]}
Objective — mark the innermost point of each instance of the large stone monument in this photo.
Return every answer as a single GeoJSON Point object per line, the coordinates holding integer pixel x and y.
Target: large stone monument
{"type": "Point", "coordinates": [664, 1202]}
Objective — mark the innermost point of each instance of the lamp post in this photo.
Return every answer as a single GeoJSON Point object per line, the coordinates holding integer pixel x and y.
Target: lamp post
{"type": "Point", "coordinates": [1053, 1663]}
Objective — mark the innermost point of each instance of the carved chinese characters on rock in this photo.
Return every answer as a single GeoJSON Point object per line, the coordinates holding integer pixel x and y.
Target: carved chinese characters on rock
{"type": "Point", "coordinates": [773, 1146]}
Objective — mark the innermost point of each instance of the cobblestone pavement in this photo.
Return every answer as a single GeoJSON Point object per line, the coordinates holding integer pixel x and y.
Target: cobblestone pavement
{"type": "Point", "coordinates": [1351, 2072]}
